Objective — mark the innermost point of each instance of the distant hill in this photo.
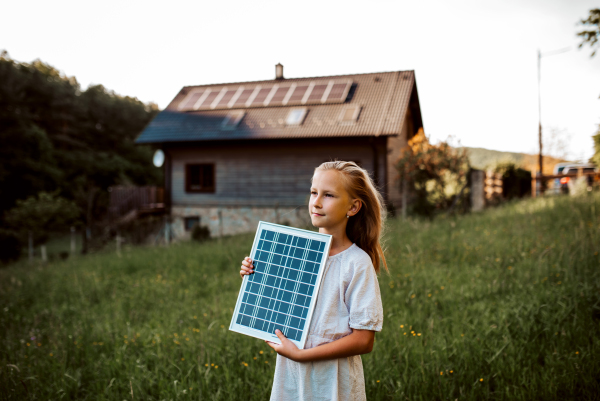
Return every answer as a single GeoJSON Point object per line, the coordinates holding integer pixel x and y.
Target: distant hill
{"type": "Point", "coordinates": [483, 159]}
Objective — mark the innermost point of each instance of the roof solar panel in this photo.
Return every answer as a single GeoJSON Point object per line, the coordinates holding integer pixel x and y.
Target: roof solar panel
{"type": "Point", "coordinates": [224, 101]}
{"type": "Point", "coordinates": [317, 93]}
{"type": "Point", "coordinates": [279, 95]}
{"type": "Point", "coordinates": [244, 96]}
{"type": "Point", "coordinates": [261, 96]}
{"type": "Point", "coordinates": [298, 93]}
{"type": "Point", "coordinates": [307, 92]}
{"type": "Point", "coordinates": [289, 264]}
{"type": "Point", "coordinates": [191, 99]}
{"type": "Point", "coordinates": [339, 91]}
{"type": "Point", "coordinates": [209, 99]}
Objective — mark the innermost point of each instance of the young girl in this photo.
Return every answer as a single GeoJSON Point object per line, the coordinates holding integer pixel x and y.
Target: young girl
{"type": "Point", "coordinates": [344, 203]}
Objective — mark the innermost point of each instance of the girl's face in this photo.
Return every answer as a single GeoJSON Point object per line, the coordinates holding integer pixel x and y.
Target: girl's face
{"type": "Point", "coordinates": [330, 203]}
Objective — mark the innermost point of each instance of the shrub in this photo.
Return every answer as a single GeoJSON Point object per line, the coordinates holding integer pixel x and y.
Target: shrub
{"type": "Point", "coordinates": [437, 175]}
{"type": "Point", "coordinates": [200, 233]}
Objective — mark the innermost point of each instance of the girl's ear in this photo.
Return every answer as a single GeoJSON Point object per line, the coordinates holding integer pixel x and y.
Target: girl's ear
{"type": "Point", "coordinates": [354, 207]}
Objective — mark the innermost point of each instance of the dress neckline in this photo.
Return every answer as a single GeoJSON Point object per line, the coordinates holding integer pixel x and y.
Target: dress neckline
{"type": "Point", "coordinates": [344, 251]}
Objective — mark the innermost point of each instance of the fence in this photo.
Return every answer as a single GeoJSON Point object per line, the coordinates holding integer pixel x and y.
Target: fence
{"type": "Point", "coordinates": [132, 201]}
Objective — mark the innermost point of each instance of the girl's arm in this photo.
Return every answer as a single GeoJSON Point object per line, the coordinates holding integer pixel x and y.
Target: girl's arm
{"type": "Point", "coordinates": [357, 343]}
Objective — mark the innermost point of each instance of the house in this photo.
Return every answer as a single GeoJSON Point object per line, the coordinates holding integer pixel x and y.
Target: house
{"type": "Point", "coordinates": [242, 152]}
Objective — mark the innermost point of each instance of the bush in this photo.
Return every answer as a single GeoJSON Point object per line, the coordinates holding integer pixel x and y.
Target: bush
{"type": "Point", "coordinates": [516, 182]}
{"type": "Point", "coordinates": [200, 233]}
{"type": "Point", "coordinates": [437, 175]}
{"type": "Point", "coordinates": [10, 246]}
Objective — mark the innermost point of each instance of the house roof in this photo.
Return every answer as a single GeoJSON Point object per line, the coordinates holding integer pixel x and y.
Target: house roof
{"type": "Point", "coordinates": [383, 99]}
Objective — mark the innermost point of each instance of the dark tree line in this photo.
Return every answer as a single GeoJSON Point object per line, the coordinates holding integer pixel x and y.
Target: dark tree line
{"type": "Point", "coordinates": [57, 138]}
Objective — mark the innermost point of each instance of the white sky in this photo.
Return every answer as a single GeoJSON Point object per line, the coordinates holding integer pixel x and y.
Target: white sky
{"type": "Point", "coordinates": [475, 61]}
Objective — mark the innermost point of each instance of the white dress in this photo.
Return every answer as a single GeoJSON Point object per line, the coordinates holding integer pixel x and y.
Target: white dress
{"type": "Point", "coordinates": [349, 298]}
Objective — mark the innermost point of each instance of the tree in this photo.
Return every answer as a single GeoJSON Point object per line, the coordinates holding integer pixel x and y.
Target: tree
{"type": "Point", "coordinates": [54, 136]}
{"type": "Point", "coordinates": [437, 174]}
{"type": "Point", "coordinates": [39, 216]}
{"type": "Point", "coordinates": [591, 36]}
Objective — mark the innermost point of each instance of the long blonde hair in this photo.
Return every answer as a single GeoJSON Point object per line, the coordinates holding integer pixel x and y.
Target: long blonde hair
{"type": "Point", "coordinates": [366, 227]}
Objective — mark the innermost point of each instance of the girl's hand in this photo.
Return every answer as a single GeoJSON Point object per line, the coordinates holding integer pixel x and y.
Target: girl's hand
{"type": "Point", "coordinates": [247, 267]}
{"type": "Point", "coordinates": [286, 348]}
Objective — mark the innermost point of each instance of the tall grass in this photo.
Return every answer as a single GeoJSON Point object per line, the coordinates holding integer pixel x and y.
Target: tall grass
{"type": "Point", "coordinates": [499, 305]}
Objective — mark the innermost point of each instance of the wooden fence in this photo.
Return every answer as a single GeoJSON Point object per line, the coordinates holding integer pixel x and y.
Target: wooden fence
{"type": "Point", "coordinates": [130, 202]}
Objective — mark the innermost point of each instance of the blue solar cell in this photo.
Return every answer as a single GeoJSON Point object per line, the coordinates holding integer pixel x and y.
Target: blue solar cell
{"type": "Point", "coordinates": [289, 285]}
{"type": "Point", "coordinates": [270, 280]}
{"type": "Point", "coordinates": [302, 300]}
{"type": "Point", "coordinates": [282, 238]}
{"type": "Point", "coordinates": [297, 311]}
{"type": "Point", "coordinates": [284, 307]}
{"type": "Point", "coordinates": [294, 322]}
{"type": "Point", "coordinates": [261, 313]}
{"type": "Point", "coordinates": [314, 245]}
{"type": "Point", "coordinates": [298, 253]}
{"type": "Point", "coordinates": [264, 302]}
{"type": "Point", "coordinates": [292, 274]}
{"type": "Point", "coordinates": [295, 263]}
{"type": "Point", "coordinates": [270, 235]}
{"type": "Point", "coordinates": [301, 242]}
{"type": "Point", "coordinates": [313, 256]}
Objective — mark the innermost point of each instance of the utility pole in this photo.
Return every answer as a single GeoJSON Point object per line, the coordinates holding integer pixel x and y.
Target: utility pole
{"type": "Point", "coordinates": [540, 157]}
{"type": "Point", "coordinates": [539, 65]}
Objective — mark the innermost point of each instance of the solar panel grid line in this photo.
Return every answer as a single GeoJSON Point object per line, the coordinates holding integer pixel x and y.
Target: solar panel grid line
{"type": "Point", "coordinates": [281, 294]}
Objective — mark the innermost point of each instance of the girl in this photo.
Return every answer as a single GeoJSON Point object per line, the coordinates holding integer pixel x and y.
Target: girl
{"type": "Point", "coordinates": [344, 203]}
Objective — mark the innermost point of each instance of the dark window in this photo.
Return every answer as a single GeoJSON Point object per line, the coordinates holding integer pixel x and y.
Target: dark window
{"type": "Point", "coordinates": [191, 222]}
{"type": "Point", "coordinates": [200, 178]}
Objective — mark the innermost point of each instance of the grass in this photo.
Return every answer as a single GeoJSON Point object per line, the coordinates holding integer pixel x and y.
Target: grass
{"type": "Point", "coordinates": [499, 305]}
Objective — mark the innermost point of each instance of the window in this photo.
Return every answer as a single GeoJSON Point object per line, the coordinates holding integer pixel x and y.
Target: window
{"type": "Point", "coordinates": [232, 120]}
{"type": "Point", "coordinates": [296, 116]}
{"type": "Point", "coordinates": [200, 178]}
{"type": "Point", "coordinates": [191, 222]}
{"type": "Point", "coordinates": [349, 114]}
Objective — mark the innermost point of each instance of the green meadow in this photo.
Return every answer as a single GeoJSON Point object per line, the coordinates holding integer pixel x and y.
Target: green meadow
{"type": "Point", "coordinates": [503, 304]}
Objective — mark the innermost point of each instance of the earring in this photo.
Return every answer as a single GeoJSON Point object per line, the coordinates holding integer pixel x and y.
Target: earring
{"type": "Point", "coordinates": [347, 216]}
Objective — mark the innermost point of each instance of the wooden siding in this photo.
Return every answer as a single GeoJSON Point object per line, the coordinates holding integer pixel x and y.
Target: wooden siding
{"type": "Point", "coordinates": [268, 173]}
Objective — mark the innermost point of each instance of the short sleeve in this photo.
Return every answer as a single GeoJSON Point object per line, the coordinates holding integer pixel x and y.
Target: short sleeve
{"type": "Point", "coordinates": [362, 296]}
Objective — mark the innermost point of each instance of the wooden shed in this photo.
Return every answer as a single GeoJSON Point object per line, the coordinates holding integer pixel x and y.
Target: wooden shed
{"type": "Point", "coordinates": [242, 152]}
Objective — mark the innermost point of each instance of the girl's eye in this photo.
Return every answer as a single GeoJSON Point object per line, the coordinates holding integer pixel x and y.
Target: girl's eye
{"type": "Point", "coordinates": [331, 196]}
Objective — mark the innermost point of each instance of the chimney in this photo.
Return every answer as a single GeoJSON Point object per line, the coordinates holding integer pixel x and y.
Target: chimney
{"type": "Point", "coordinates": [278, 71]}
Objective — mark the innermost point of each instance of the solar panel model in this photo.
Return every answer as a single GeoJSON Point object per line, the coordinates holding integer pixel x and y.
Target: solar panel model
{"type": "Point", "coordinates": [289, 265]}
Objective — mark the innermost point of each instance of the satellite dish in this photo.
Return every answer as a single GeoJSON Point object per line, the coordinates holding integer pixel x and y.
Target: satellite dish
{"type": "Point", "coordinates": [159, 158]}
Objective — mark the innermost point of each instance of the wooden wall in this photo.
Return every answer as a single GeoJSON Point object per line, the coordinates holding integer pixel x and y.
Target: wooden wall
{"type": "Point", "coordinates": [268, 172]}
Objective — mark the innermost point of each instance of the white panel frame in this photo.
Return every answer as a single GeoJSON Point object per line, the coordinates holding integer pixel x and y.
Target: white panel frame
{"type": "Point", "coordinates": [262, 225]}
